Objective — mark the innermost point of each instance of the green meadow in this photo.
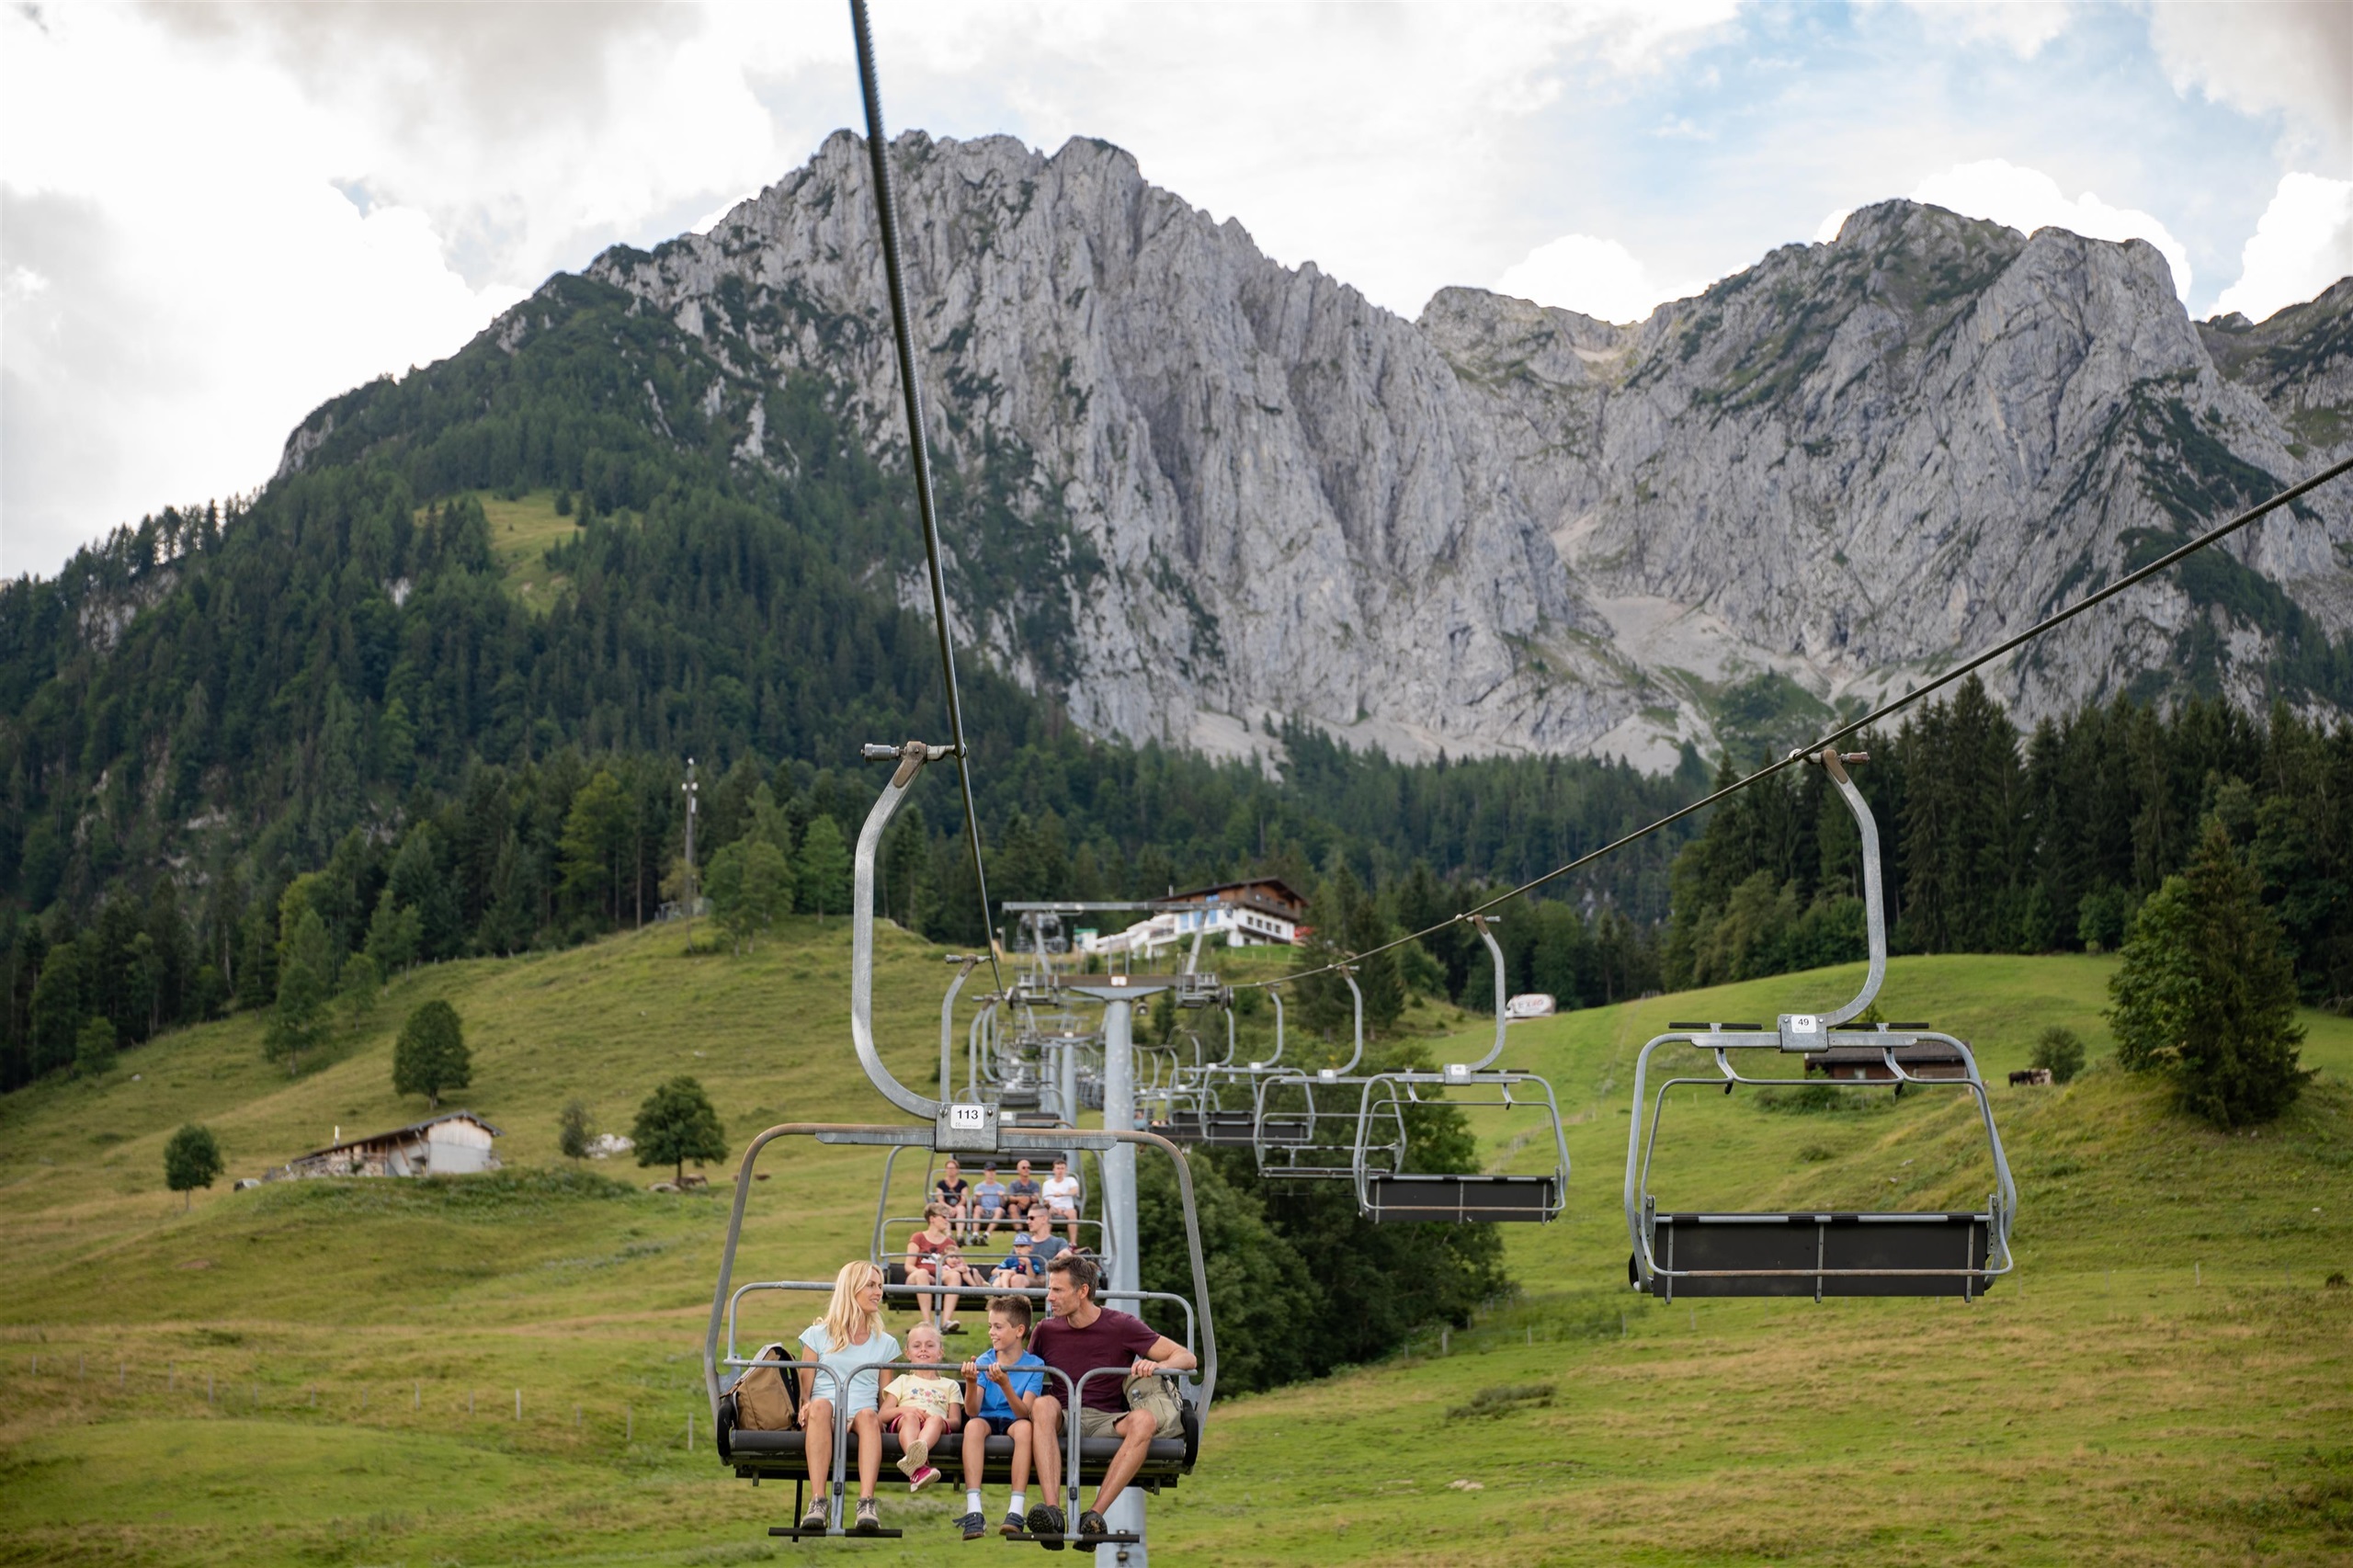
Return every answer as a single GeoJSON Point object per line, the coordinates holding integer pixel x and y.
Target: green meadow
{"type": "Point", "coordinates": [329, 1372]}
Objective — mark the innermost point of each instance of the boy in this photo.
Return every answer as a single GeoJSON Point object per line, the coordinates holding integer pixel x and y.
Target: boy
{"type": "Point", "coordinates": [998, 1391]}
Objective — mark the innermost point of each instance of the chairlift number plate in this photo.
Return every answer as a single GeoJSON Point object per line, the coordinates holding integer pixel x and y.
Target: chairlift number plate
{"type": "Point", "coordinates": [1802, 1031]}
{"type": "Point", "coordinates": [971, 1127]}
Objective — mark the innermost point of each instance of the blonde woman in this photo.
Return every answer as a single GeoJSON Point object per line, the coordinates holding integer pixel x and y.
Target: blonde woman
{"type": "Point", "coordinates": [848, 1343]}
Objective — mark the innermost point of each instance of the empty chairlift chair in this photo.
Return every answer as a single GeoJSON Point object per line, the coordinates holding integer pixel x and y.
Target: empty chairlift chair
{"type": "Point", "coordinates": [1821, 1253]}
{"type": "Point", "coordinates": [1318, 1126]}
{"type": "Point", "coordinates": [1387, 1193]}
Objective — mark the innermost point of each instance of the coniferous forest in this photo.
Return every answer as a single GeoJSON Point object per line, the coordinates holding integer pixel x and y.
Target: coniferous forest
{"type": "Point", "coordinates": [328, 704]}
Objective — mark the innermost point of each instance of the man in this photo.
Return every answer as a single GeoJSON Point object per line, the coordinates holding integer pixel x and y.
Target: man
{"type": "Point", "coordinates": [1061, 1197]}
{"type": "Point", "coordinates": [1032, 1251]}
{"type": "Point", "coordinates": [1021, 1194]}
{"type": "Point", "coordinates": [1079, 1338]}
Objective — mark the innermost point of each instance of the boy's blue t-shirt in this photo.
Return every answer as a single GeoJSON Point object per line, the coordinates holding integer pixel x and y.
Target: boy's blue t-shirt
{"type": "Point", "coordinates": [1028, 1385]}
{"type": "Point", "coordinates": [991, 1194]}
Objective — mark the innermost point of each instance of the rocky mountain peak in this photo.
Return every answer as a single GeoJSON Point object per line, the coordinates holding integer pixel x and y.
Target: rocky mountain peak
{"type": "Point", "coordinates": [1224, 489]}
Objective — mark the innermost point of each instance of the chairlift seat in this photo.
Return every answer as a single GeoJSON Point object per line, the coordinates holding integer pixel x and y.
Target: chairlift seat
{"type": "Point", "coordinates": [1803, 1255]}
{"type": "Point", "coordinates": [784, 1455]}
{"type": "Point", "coordinates": [1416, 1197]}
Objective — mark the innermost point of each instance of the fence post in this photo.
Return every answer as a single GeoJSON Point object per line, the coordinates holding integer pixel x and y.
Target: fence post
{"type": "Point", "coordinates": [120, 1372]}
{"type": "Point", "coordinates": [628, 1429]}
{"type": "Point", "coordinates": [171, 1377]}
{"type": "Point", "coordinates": [519, 1404]}
{"type": "Point", "coordinates": [418, 1403]}
{"type": "Point", "coordinates": [690, 1431]}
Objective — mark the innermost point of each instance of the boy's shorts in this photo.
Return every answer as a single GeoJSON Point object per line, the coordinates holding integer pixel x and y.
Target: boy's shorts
{"type": "Point", "coordinates": [1000, 1425]}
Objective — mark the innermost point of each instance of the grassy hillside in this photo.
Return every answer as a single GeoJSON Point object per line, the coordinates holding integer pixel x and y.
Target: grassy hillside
{"type": "Point", "coordinates": [327, 1372]}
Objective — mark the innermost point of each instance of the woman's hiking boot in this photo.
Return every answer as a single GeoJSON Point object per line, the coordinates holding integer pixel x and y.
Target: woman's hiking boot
{"type": "Point", "coordinates": [870, 1519]}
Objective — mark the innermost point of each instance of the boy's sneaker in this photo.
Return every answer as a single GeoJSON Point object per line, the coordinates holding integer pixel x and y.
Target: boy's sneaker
{"type": "Point", "coordinates": [973, 1525]}
{"type": "Point", "coordinates": [923, 1476]}
{"type": "Point", "coordinates": [1047, 1521]}
{"type": "Point", "coordinates": [814, 1519]}
{"type": "Point", "coordinates": [1092, 1523]}
{"type": "Point", "coordinates": [1014, 1525]}
{"type": "Point", "coordinates": [869, 1520]}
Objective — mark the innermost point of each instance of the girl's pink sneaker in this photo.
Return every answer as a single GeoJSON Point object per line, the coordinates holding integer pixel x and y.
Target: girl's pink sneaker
{"type": "Point", "coordinates": [922, 1478]}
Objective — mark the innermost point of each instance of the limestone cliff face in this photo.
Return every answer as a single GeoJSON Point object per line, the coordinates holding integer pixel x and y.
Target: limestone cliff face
{"type": "Point", "coordinates": [1508, 528]}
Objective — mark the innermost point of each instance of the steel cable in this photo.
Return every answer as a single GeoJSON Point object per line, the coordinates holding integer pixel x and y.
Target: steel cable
{"type": "Point", "coordinates": [886, 211]}
{"type": "Point", "coordinates": [1956, 673]}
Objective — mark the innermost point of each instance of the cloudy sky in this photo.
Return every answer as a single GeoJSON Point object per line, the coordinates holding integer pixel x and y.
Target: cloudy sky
{"type": "Point", "coordinates": [214, 217]}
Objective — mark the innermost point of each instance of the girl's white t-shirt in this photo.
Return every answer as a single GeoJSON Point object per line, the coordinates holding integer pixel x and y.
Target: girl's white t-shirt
{"type": "Point", "coordinates": [852, 1367]}
{"type": "Point", "coordinates": [1062, 1194]}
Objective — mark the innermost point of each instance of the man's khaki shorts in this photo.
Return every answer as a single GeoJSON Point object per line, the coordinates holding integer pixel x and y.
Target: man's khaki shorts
{"type": "Point", "coordinates": [1093, 1423]}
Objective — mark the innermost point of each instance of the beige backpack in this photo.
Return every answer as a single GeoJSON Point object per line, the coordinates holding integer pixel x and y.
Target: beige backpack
{"type": "Point", "coordinates": [767, 1398]}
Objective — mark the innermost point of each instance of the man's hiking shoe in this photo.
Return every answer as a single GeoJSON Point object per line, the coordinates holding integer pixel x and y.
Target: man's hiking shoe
{"type": "Point", "coordinates": [869, 1521]}
{"type": "Point", "coordinates": [952, 1328]}
{"type": "Point", "coordinates": [1093, 1523]}
{"type": "Point", "coordinates": [814, 1519]}
{"type": "Point", "coordinates": [1045, 1519]}
{"type": "Point", "coordinates": [973, 1525]}
{"type": "Point", "coordinates": [1013, 1525]}
{"type": "Point", "coordinates": [923, 1476]}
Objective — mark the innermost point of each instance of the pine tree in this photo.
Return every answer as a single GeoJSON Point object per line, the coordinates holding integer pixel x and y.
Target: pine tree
{"type": "Point", "coordinates": [823, 872]}
{"type": "Point", "coordinates": [2206, 994]}
{"type": "Point", "coordinates": [94, 1050]}
{"type": "Point", "coordinates": [305, 981]}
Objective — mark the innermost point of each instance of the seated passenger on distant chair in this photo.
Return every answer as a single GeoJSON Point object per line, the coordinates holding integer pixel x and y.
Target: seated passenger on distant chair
{"type": "Point", "coordinates": [932, 1260]}
{"type": "Point", "coordinates": [1078, 1339]}
{"type": "Point", "coordinates": [988, 1204]}
{"type": "Point", "coordinates": [998, 1394]}
{"type": "Point", "coordinates": [1021, 1194]}
{"type": "Point", "coordinates": [848, 1342]}
{"type": "Point", "coordinates": [953, 1193]}
{"type": "Point", "coordinates": [1024, 1268]}
{"type": "Point", "coordinates": [1061, 1197]}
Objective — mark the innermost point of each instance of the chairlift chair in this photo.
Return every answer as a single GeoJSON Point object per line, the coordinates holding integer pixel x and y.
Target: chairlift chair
{"type": "Point", "coordinates": [965, 1128]}
{"type": "Point", "coordinates": [1317, 1126]}
{"type": "Point", "coordinates": [1387, 1193]}
{"type": "Point", "coordinates": [1819, 1252]}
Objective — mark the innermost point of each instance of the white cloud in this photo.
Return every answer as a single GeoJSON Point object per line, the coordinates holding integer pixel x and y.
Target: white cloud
{"type": "Point", "coordinates": [1827, 230]}
{"type": "Point", "coordinates": [179, 294]}
{"type": "Point", "coordinates": [2295, 59]}
{"type": "Point", "coordinates": [1598, 278]}
{"type": "Point", "coordinates": [2302, 243]}
{"type": "Point", "coordinates": [2022, 27]}
{"type": "Point", "coordinates": [2027, 199]}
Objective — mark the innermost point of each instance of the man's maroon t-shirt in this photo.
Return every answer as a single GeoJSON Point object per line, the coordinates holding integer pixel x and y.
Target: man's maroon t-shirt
{"type": "Point", "coordinates": [1113, 1339]}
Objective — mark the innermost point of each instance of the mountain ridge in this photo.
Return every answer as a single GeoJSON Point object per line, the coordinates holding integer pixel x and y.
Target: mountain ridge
{"type": "Point", "coordinates": [1232, 493]}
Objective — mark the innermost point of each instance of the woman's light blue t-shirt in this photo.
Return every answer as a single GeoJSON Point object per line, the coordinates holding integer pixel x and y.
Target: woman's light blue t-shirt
{"type": "Point", "coordinates": [852, 1365]}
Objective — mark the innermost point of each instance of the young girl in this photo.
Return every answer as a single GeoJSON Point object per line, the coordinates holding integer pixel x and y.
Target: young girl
{"type": "Point", "coordinates": [919, 1405]}
{"type": "Point", "coordinates": [848, 1343]}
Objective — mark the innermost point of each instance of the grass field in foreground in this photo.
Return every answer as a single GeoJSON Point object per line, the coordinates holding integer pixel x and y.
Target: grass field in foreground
{"type": "Point", "coordinates": [327, 1372]}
